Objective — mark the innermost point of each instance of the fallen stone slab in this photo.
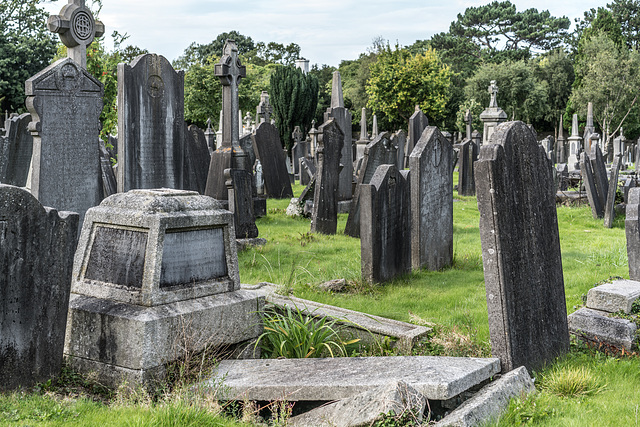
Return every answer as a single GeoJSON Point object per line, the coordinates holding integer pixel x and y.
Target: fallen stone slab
{"type": "Point", "coordinates": [613, 297]}
{"type": "Point", "coordinates": [406, 333]}
{"type": "Point", "coordinates": [437, 378]}
{"type": "Point", "coordinates": [366, 408]}
{"type": "Point", "coordinates": [596, 326]}
{"type": "Point", "coordinates": [491, 400]}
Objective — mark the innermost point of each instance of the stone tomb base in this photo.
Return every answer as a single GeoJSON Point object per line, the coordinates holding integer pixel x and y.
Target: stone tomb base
{"type": "Point", "coordinates": [126, 342]}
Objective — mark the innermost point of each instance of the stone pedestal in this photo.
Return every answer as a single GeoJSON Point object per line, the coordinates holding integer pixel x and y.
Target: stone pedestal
{"type": "Point", "coordinates": [491, 117]}
{"type": "Point", "coordinates": [155, 271]}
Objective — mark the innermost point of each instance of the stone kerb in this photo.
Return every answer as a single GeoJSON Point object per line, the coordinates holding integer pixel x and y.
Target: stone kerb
{"type": "Point", "coordinates": [152, 247]}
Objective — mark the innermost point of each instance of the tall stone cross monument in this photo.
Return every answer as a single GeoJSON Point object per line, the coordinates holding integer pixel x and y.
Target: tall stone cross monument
{"type": "Point", "coordinates": [77, 29]}
{"type": "Point", "coordinates": [230, 71]}
{"type": "Point", "coordinates": [493, 115]}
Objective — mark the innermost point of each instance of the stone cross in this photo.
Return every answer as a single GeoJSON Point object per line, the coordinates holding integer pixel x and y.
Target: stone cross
{"type": "Point", "coordinates": [77, 29]}
{"type": "Point", "coordinates": [230, 71]}
{"type": "Point", "coordinates": [264, 108]}
{"type": "Point", "coordinates": [468, 120]}
{"type": "Point", "coordinates": [493, 90]}
{"type": "Point", "coordinates": [297, 134]}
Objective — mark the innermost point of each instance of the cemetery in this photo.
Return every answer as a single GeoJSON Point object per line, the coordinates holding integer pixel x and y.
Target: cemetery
{"type": "Point", "coordinates": [293, 268]}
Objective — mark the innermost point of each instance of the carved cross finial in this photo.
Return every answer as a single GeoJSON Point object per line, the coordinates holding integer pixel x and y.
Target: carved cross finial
{"type": "Point", "coordinates": [77, 29]}
{"type": "Point", "coordinates": [493, 90]}
{"type": "Point", "coordinates": [297, 134]}
{"type": "Point", "coordinates": [264, 107]}
{"type": "Point", "coordinates": [230, 71]}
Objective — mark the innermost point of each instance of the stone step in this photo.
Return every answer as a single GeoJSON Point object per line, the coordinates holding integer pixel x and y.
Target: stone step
{"type": "Point", "coordinates": [613, 297]}
{"type": "Point", "coordinates": [437, 378]}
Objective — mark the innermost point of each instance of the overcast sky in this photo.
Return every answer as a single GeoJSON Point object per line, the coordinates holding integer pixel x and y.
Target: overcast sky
{"type": "Point", "coordinates": [327, 31]}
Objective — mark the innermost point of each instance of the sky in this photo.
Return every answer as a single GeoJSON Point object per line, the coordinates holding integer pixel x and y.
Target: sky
{"type": "Point", "coordinates": [327, 31]}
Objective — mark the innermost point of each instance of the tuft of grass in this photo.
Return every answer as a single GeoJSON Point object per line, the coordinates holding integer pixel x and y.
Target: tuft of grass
{"type": "Point", "coordinates": [572, 381]}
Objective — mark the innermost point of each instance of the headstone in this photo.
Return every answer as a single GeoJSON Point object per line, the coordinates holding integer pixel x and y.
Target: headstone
{"type": "Point", "coordinates": [561, 156]}
{"type": "Point", "coordinates": [268, 148]}
{"type": "Point", "coordinates": [307, 171]}
{"type": "Point", "coordinates": [374, 127]}
{"type": "Point", "coordinates": [197, 159]}
{"type": "Point", "coordinates": [431, 201]}
{"type": "Point", "coordinates": [298, 149]}
{"type": "Point", "coordinates": [313, 134]}
{"type": "Point", "coordinates": [468, 155]}
{"type": "Point", "coordinates": [324, 217]}
{"type": "Point", "coordinates": [36, 257]}
{"type": "Point", "coordinates": [378, 152]}
{"type": "Point", "coordinates": [547, 144]}
{"type": "Point", "coordinates": [210, 136]}
{"type": "Point", "coordinates": [597, 209]}
{"type": "Point", "coordinates": [575, 145]}
{"type": "Point", "coordinates": [563, 176]}
{"type": "Point", "coordinates": [154, 268]}
{"type": "Point", "coordinates": [265, 110]}
{"type": "Point", "coordinates": [342, 117]}
{"type": "Point", "coordinates": [65, 103]}
{"type": "Point", "coordinates": [476, 137]}
{"type": "Point", "coordinates": [417, 124]}
{"type": "Point", "coordinates": [468, 120]}
{"type": "Point", "coordinates": [151, 130]}
{"type": "Point", "coordinates": [599, 174]}
{"type": "Point", "coordinates": [15, 158]}
{"type": "Point", "coordinates": [632, 231]}
{"type": "Point", "coordinates": [219, 131]}
{"type": "Point", "coordinates": [629, 183]}
{"type": "Point", "coordinates": [521, 250]}
{"type": "Point", "coordinates": [240, 192]}
{"type": "Point", "coordinates": [385, 224]}
{"type": "Point", "coordinates": [108, 176]}
{"type": "Point", "coordinates": [399, 140]}
{"type": "Point", "coordinates": [493, 115]}
{"type": "Point", "coordinates": [609, 210]}
{"type": "Point", "coordinates": [112, 146]}
{"type": "Point", "coordinates": [364, 135]}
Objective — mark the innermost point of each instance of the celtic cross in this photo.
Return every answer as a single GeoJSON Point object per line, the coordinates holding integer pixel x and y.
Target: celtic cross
{"type": "Point", "coordinates": [230, 71]}
{"type": "Point", "coordinates": [264, 108]}
{"type": "Point", "coordinates": [77, 29]}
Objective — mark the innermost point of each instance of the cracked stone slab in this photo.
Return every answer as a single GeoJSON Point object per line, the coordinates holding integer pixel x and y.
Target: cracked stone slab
{"type": "Point", "coordinates": [437, 378]}
{"type": "Point", "coordinates": [596, 326]}
{"type": "Point", "coordinates": [614, 297]}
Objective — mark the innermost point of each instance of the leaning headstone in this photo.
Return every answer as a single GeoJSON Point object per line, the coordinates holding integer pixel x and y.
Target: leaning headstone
{"type": "Point", "coordinates": [307, 171]}
{"type": "Point", "coordinates": [268, 148]}
{"type": "Point", "coordinates": [240, 192]}
{"type": "Point", "coordinates": [431, 201]}
{"type": "Point", "coordinates": [65, 103]}
{"type": "Point", "coordinates": [609, 210]}
{"type": "Point", "coordinates": [417, 123]}
{"type": "Point", "coordinates": [16, 159]}
{"type": "Point", "coordinates": [468, 155]}
{"type": "Point", "coordinates": [385, 224]}
{"type": "Point", "coordinates": [196, 160]}
{"type": "Point", "coordinates": [378, 152]}
{"type": "Point", "coordinates": [109, 184]}
{"type": "Point", "coordinates": [632, 230]}
{"type": "Point", "coordinates": [36, 255]}
{"type": "Point", "coordinates": [521, 250]}
{"type": "Point", "coordinates": [342, 117]}
{"type": "Point", "coordinates": [600, 175]}
{"type": "Point", "coordinates": [324, 217]}
{"type": "Point", "coordinates": [597, 209]}
{"type": "Point", "coordinates": [210, 136]}
{"type": "Point", "coordinates": [151, 130]}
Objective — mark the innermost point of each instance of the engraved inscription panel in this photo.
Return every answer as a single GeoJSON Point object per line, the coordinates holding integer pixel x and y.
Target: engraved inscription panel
{"type": "Point", "coordinates": [117, 256]}
{"type": "Point", "coordinates": [193, 256]}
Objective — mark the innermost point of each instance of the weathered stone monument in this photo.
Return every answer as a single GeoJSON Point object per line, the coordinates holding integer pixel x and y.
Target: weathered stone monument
{"type": "Point", "coordinates": [600, 175]}
{"type": "Point", "coordinates": [109, 183]}
{"type": "Point", "coordinates": [597, 208]}
{"type": "Point", "coordinates": [399, 140]}
{"type": "Point", "coordinates": [16, 151]}
{"type": "Point", "coordinates": [268, 148]}
{"type": "Point", "coordinates": [431, 176]}
{"type": "Point", "coordinates": [196, 159]}
{"type": "Point", "coordinates": [342, 117]}
{"type": "Point", "coordinates": [521, 249]}
{"type": "Point", "coordinates": [210, 136]}
{"type": "Point", "coordinates": [324, 217]}
{"type": "Point", "coordinates": [239, 186]}
{"type": "Point", "coordinates": [493, 115]}
{"type": "Point", "coordinates": [468, 155]}
{"type": "Point", "coordinates": [575, 145]}
{"type": "Point", "coordinates": [385, 224]}
{"type": "Point", "coordinates": [36, 253]}
{"type": "Point", "coordinates": [364, 135]}
{"type": "Point", "coordinates": [154, 267]}
{"type": "Point", "coordinates": [589, 128]}
{"type": "Point", "coordinates": [609, 209]}
{"type": "Point", "coordinates": [151, 130]}
{"type": "Point", "coordinates": [417, 124]}
{"type": "Point", "coordinates": [561, 155]}
{"type": "Point", "coordinates": [632, 230]}
{"type": "Point", "coordinates": [265, 110]}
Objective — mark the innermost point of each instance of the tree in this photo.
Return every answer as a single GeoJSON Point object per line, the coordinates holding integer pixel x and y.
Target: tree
{"type": "Point", "coordinates": [324, 74]}
{"type": "Point", "coordinates": [294, 97]}
{"type": "Point", "coordinates": [201, 52]}
{"type": "Point", "coordinates": [399, 81]}
{"type": "Point", "coordinates": [354, 75]}
{"type": "Point", "coordinates": [627, 15]}
{"type": "Point", "coordinates": [276, 53]}
{"type": "Point", "coordinates": [26, 48]}
{"type": "Point", "coordinates": [556, 70]}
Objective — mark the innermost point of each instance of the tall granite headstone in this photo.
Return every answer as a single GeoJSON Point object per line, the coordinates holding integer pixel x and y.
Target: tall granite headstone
{"type": "Point", "coordinates": [324, 217]}
{"type": "Point", "coordinates": [597, 209]}
{"type": "Point", "coordinates": [196, 160]}
{"type": "Point", "coordinates": [342, 117]}
{"type": "Point", "coordinates": [385, 238]}
{"type": "Point", "coordinates": [561, 155]}
{"type": "Point", "coordinates": [268, 148]}
{"type": "Point", "coordinates": [399, 140]}
{"type": "Point", "coordinates": [521, 249]}
{"type": "Point", "coordinates": [417, 124]}
{"type": "Point", "coordinates": [468, 155]}
{"type": "Point", "coordinates": [431, 201]}
{"type": "Point", "coordinates": [36, 257]}
{"type": "Point", "coordinates": [632, 230]}
{"type": "Point", "coordinates": [15, 158]}
{"type": "Point", "coordinates": [151, 130]}
{"type": "Point", "coordinates": [240, 193]}
{"type": "Point", "coordinates": [600, 175]}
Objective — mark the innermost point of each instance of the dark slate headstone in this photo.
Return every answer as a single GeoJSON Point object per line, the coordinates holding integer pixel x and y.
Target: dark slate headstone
{"type": "Point", "coordinates": [342, 117]}
{"type": "Point", "coordinates": [109, 184]}
{"type": "Point", "coordinates": [221, 159]}
{"type": "Point", "coordinates": [521, 249]}
{"type": "Point", "coordinates": [468, 155]}
{"type": "Point", "coordinates": [378, 152]}
{"type": "Point", "coordinates": [563, 176]}
{"type": "Point", "coordinates": [196, 160]}
{"type": "Point", "coordinates": [307, 171]}
{"type": "Point", "coordinates": [600, 178]}
{"type": "Point", "coordinates": [609, 210]}
{"type": "Point", "coordinates": [431, 201]}
{"type": "Point", "coordinates": [16, 160]}
{"type": "Point", "coordinates": [36, 258]}
{"type": "Point", "coordinates": [150, 124]}
{"type": "Point", "coordinates": [632, 230]}
{"type": "Point", "coordinates": [385, 238]}
{"type": "Point", "coordinates": [239, 186]}
{"type": "Point", "coordinates": [417, 123]}
{"type": "Point", "coordinates": [399, 139]}
{"type": "Point", "coordinates": [268, 148]}
{"type": "Point", "coordinates": [324, 218]}
{"type": "Point", "coordinates": [597, 210]}
{"type": "Point", "coordinates": [65, 103]}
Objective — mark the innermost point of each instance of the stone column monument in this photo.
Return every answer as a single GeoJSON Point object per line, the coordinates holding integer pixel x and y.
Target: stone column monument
{"type": "Point", "coordinates": [493, 115]}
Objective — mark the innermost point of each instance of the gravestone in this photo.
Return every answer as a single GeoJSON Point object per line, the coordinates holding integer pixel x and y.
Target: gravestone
{"type": "Point", "coordinates": [307, 171]}
{"type": "Point", "coordinates": [65, 103]}
{"type": "Point", "coordinates": [417, 124]}
{"type": "Point", "coordinates": [589, 128]}
{"type": "Point", "coordinates": [298, 150]}
{"type": "Point", "coordinates": [268, 148]}
{"type": "Point", "coordinates": [575, 145]}
{"type": "Point", "coordinates": [597, 209]}
{"type": "Point", "coordinates": [240, 192]}
{"type": "Point", "coordinates": [560, 153]}
{"type": "Point", "coordinates": [399, 140]}
{"type": "Point", "coordinates": [374, 127]}
{"type": "Point", "coordinates": [547, 144]}
{"type": "Point", "coordinates": [364, 135]}
{"type": "Point", "coordinates": [15, 158]}
{"type": "Point", "coordinates": [378, 152]}
{"type": "Point", "coordinates": [431, 201]}
{"type": "Point", "coordinates": [563, 176]}
{"type": "Point", "coordinates": [196, 159]}
{"type": "Point", "coordinates": [468, 120]}
{"type": "Point", "coordinates": [385, 237]}
{"type": "Point", "coordinates": [151, 130]}
{"type": "Point", "coordinates": [324, 217]}
{"type": "Point", "coordinates": [342, 117]}
{"type": "Point", "coordinates": [492, 115]}
{"type": "Point", "coordinates": [108, 176]}
{"type": "Point", "coordinates": [609, 210]}
{"type": "Point", "coordinates": [155, 268]}
{"type": "Point", "coordinates": [468, 155]}
{"type": "Point", "coordinates": [36, 256]}
{"type": "Point", "coordinates": [521, 250]}
{"type": "Point", "coordinates": [600, 175]}
{"type": "Point", "coordinates": [265, 110]}
{"type": "Point", "coordinates": [210, 136]}
{"type": "Point", "coordinates": [632, 231]}
{"type": "Point", "coordinates": [629, 183]}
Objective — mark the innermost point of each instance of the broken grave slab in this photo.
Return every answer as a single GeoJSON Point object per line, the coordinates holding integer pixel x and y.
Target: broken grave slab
{"type": "Point", "coordinates": [614, 297]}
{"type": "Point", "coordinates": [596, 326]}
{"type": "Point", "coordinates": [437, 378]}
